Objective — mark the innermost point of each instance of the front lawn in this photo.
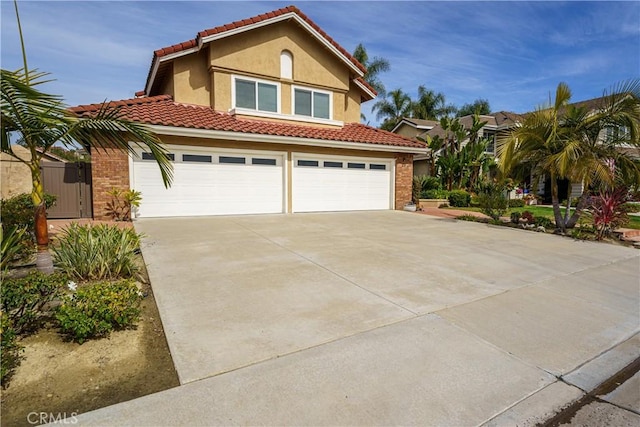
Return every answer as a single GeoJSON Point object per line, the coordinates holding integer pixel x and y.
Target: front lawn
{"type": "Point", "coordinates": [547, 211]}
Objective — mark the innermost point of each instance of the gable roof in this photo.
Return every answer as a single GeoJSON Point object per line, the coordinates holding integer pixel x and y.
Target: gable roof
{"type": "Point", "coordinates": [161, 110]}
{"type": "Point", "coordinates": [416, 123]}
{"type": "Point", "coordinates": [286, 13]}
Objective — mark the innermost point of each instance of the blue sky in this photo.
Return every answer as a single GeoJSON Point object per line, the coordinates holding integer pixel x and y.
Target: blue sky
{"type": "Point", "coordinates": [511, 53]}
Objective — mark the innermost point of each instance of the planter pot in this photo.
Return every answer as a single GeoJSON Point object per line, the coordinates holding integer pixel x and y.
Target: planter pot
{"type": "Point", "coordinates": [433, 203]}
{"type": "Point", "coordinates": [410, 207]}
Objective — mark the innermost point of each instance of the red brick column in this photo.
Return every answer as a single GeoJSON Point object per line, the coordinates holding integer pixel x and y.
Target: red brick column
{"type": "Point", "coordinates": [404, 179]}
{"type": "Point", "coordinates": [109, 169]}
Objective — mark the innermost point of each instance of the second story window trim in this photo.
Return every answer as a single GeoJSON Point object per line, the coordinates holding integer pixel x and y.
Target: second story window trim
{"type": "Point", "coordinates": [311, 103]}
{"type": "Point", "coordinates": [255, 95]}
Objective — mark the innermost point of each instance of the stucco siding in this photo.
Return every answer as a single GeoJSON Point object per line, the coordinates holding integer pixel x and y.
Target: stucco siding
{"type": "Point", "coordinates": [191, 81]}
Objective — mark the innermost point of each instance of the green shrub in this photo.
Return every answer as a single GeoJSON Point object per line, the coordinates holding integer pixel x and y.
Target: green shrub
{"type": "Point", "coordinates": [97, 252]}
{"type": "Point", "coordinates": [23, 299]}
{"type": "Point", "coordinates": [475, 202]}
{"type": "Point", "coordinates": [431, 183]}
{"type": "Point", "coordinates": [493, 203]}
{"type": "Point", "coordinates": [543, 221]}
{"type": "Point", "coordinates": [515, 217]}
{"type": "Point", "coordinates": [19, 212]}
{"type": "Point", "coordinates": [434, 194]}
{"type": "Point", "coordinates": [459, 198]}
{"type": "Point", "coordinates": [97, 309]}
{"type": "Point", "coordinates": [14, 246]}
{"type": "Point", "coordinates": [9, 349]}
{"type": "Point", "coordinates": [516, 203]}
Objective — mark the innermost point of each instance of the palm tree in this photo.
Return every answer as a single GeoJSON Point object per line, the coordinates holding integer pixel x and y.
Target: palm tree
{"type": "Point", "coordinates": [39, 120]}
{"type": "Point", "coordinates": [392, 108]}
{"type": "Point", "coordinates": [566, 142]}
{"type": "Point", "coordinates": [430, 105]}
{"type": "Point", "coordinates": [374, 67]}
{"type": "Point", "coordinates": [479, 106]}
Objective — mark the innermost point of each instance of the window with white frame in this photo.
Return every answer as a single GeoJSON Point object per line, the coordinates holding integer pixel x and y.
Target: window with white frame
{"type": "Point", "coordinates": [312, 103]}
{"type": "Point", "coordinates": [490, 138]}
{"type": "Point", "coordinates": [256, 95]}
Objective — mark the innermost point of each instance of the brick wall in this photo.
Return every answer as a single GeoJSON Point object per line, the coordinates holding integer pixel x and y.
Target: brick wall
{"type": "Point", "coordinates": [109, 169]}
{"type": "Point", "coordinates": [404, 179]}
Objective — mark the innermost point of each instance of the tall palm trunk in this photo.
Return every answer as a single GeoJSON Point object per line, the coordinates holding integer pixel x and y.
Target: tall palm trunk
{"type": "Point", "coordinates": [555, 201]}
{"type": "Point", "coordinates": [582, 204]}
{"type": "Point", "coordinates": [44, 262]}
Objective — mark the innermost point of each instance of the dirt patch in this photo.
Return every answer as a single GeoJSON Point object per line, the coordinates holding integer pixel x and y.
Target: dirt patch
{"type": "Point", "coordinates": [62, 378]}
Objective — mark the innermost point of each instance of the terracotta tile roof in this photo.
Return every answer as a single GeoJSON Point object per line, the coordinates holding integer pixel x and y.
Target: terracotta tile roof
{"type": "Point", "coordinates": [262, 17]}
{"type": "Point", "coordinates": [162, 110]}
{"type": "Point", "coordinates": [176, 48]}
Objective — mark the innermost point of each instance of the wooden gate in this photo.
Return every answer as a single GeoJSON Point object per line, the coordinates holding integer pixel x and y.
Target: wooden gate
{"type": "Point", "coordinates": [71, 184]}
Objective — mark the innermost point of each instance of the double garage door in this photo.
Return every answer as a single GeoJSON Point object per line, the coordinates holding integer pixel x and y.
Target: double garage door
{"type": "Point", "coordinates": [209, 181]}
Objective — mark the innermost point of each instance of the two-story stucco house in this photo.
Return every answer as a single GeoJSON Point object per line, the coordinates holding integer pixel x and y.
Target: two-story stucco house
{"type": "Point", "coordinates": [260, 116]}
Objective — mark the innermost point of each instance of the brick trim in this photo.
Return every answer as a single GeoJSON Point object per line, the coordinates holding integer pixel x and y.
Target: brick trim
{"type": "Point", "coordinates": [404, 179]}
{"type": "Point", "coordinates": [109, 169]}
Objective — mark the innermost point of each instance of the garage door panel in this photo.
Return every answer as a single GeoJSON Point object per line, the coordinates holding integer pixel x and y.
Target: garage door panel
{"type": "Point", "coordinates": [209, 188]}
{"type": "Point", "coordinates": [322, 188]}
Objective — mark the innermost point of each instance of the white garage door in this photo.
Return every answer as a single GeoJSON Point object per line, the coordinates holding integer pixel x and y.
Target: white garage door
{"type": "Point", "coordinates": [336, 183]}
{"type": "Point", "coordinates": [211, 182]}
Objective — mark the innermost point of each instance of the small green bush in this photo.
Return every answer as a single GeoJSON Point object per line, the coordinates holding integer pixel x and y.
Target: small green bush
{"type": "Point", "coordinates": [543, 221]}
{"type": "Point", "coordinates": [459, 198]}
{"type": "Point", "coordinates": [515, 217]}
{"type": "Point", "coordinates": [431, 183]}
{"type": "Point", "coordinates": [9, 349]}
{"type": "Point", "coordinates": [23, 299]}
{"type": "Point", "coordinates": [434, 194]}
{"type": "Point", "coordinates": [19, 212]}
{"type": "Point", "coordinates": [516, 203]}
{"type": "Point", "coordinates": [493, 203]}
{"type": "Point", "coordinates": [97, 252]}
{"type": "Point", "coordinates": [97, 309]}
{"type": "Point", "coordinates": [475, 202]}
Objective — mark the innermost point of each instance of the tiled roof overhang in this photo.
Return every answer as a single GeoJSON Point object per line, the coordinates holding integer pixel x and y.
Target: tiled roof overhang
{"type": "Point", "coordinates": [167, 117]}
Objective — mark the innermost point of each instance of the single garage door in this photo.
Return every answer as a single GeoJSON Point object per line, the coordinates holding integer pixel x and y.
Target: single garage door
{"type": "Point", "coordinates": [211, 181]}
{"type": "Point", "coordinates": [337, 183]}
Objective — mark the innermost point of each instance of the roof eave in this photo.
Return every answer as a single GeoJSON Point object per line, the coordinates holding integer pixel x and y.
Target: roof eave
{"type": "Point", "coordinates": [277, 139]}
{"type": "Point", "coordinates": [365, 89]}
{"type": "Point", "coordinates": [158, 59]}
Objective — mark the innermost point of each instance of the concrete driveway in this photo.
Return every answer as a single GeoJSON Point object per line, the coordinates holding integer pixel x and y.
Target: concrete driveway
{"type": "Point", "coordinates": [378, 318]}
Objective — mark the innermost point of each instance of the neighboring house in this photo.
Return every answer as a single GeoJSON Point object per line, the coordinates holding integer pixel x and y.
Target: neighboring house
{"type": "Point", "coordinates": [498, 123]}
{"type": "Point", "coordinates": [410, 127]}
{"type": "Point", "coordinates": [15, 176]}
{"type": "Point", "coordinates": [260, 116]}
{"type": "Point", "coordinates": [414, 128]}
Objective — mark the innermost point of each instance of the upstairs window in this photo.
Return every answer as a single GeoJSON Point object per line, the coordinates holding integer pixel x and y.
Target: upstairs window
{"type": "Point", "coordinates": [312, 103]}
{"type": "Point", "coordinates": [490, 138]}
{"type": "Point", "coordinates": [256, 95]}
